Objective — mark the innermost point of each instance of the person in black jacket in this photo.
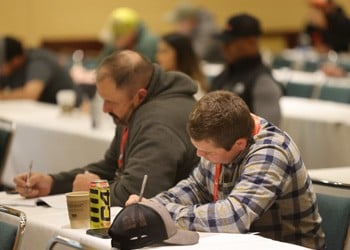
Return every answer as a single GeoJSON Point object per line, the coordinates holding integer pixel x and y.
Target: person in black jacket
{"type": "Point", "coordinates": [328, 27]}
{"type": "Point", "coordinates": [245, 74]}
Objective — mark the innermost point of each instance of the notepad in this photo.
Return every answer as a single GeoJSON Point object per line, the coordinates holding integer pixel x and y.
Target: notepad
{"type": "Point", "coordinates": [54, 201]}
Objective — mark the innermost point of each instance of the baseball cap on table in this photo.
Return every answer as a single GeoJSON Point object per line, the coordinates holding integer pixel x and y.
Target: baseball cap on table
{"type": "Point", "coordinates": [146, 223]}
{"type": "Point", "coordinates": [242, 25]}
{"type": "Point", "coordinates": [121, 21]}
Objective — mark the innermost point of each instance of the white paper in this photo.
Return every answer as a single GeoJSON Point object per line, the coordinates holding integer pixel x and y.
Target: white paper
{"type": "Point", "coordinates": [54, 201]}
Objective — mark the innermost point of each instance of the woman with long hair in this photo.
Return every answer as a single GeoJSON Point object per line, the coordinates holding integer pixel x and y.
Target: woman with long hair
{"type": "Point", "coordinates": [175, 52]}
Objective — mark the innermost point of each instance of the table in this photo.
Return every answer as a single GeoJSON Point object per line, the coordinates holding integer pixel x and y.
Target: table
{"type": "Point", "coordinates": [44, 223]}
{"type": "Point", "coordinates": [286, 75]}
{"type": "Point", "coordinates": [305, 58]}
{"type": "Point", "coordinates": [53, 140]}
{"type": "Point", "coordinates": [321, 129]}
{"type": "Point", "coordinates": [314, 85]}
{"type": "Point", "coordinates": [333, 180]}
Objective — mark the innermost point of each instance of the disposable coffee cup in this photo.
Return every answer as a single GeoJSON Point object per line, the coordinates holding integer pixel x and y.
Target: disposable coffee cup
{"type": "Point", "coordinates": [78, 204]}
{"type": "Point", "coordinates": [66, 99]}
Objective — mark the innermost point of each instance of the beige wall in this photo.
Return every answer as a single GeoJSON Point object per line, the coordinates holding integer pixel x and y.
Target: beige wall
{"type": "Point", "coordinates": [34, 20]}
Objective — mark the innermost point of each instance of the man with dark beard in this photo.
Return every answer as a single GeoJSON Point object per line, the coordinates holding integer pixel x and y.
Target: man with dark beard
{"type": "Point", "coordinates": [150, 108]}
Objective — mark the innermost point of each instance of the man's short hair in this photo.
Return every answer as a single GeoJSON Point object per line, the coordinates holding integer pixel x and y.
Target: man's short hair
{"type": "Point", "coordinates": [127, 69]}
{"type": "Point", "coordinates": [9, 49]}
{"type": "Point", "coordinates": [222, 117]}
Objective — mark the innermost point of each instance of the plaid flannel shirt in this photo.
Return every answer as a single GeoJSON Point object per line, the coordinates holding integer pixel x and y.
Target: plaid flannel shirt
{"type": "Point", "coordinates": [266, 189]}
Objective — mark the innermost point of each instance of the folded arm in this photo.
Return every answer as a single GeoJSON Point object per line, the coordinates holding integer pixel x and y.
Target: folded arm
{"type": "Point", "coordinates": [31, 90]}
{"type": "Point", "coordinates": [192, 207]}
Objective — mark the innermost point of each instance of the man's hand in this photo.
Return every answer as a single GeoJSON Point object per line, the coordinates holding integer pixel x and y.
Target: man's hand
{"type": "Point", "coordinates": [333, 70]}
{"type": "Point", "coordinates": [134, 198]}
{"type": "Point", "coordinates": [38, 184]}
{"type": "Point", "coordinates": [82, 181]}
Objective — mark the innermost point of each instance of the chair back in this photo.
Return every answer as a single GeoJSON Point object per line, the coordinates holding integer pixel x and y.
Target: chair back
{"type": "Point", "coordinates": [281, 62]}
{"type": "Point", "coordinates": [335, 213]}
{"type": "Point", "coordinates": [311, 66]}
{"type": "Point", "coordinates": [59, 240]}
{"type": "Point", "coordinates": [10, 234]}
{"type": "Point", "coordinates": [7, 129]}
{"type": "Point", "coordinates": [299, 89]}
{"type": "Point", "coordinates": [335, 93]}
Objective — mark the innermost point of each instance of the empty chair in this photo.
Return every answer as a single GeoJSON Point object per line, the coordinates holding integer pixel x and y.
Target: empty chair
{"type": "Point", "coordinates": [59, 240]}
{"type": "Point", "coordinates": [335, 213]}
{"type": "Point", "coordinates": [281, 62]}
{"type": "Point", "coordinates": [10, 234]}
{"type": "Point", "coordinates": [311, 66]}
{"type": "Point", "coordinates": [345, 65]}
{"type": "Point", "coordinates": [335, 93]}
{"type": "Point", "coordinates": [7, 129]}
{"type": "Point", "coordinates": [299, 89]}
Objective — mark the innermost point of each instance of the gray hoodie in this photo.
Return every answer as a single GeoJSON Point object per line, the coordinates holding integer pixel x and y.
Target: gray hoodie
{"type": "Point", "coordinates": [157, 145]}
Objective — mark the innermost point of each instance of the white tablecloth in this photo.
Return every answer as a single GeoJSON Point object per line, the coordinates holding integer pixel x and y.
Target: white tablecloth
{"type": "Point", "coordinates": [53, 140]}
{"type": "Point", "coordinates": [338, 175]}
{"type": "Point", "coordinates": [44, 223]}
{"type": "Point", "coordinates": [285, 75]}
{"type": "Point", "coordinates": [321, 129]}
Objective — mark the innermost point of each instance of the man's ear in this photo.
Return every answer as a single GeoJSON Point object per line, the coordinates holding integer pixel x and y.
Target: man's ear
{"type": "Point", "coordinates": [241, 143]}
{"type": "Point", "coordinates": [141, 95]}
{"type": "Point", "coordinates": [17, 61]}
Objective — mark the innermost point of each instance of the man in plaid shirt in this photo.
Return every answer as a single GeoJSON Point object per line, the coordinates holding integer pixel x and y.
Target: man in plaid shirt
{"type": "Point", "coordinates": [251, 178]}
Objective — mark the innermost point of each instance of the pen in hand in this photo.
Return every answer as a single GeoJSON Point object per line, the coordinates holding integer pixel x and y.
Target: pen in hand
{"type": "Point", "coordinates": [29, 173]}
{"type": "Point", "coordinates": [143, 187]}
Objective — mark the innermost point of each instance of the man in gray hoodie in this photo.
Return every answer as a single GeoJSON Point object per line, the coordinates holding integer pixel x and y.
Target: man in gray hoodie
{"type": "Point", "coordinates": [151, 109]}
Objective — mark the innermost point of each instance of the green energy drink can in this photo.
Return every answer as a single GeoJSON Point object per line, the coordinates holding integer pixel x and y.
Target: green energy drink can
{"type": "Point", "coordinates": [100, 206]}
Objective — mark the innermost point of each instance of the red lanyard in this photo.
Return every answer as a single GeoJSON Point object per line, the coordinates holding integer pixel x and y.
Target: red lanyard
{"type": "Point", "coordinates": [122, 147]}
{"type": "Point", "coordinates": [218, 165]}
{"type": "Point", "coordinates": [216, 181]}
{"type": "Point", "coordinates": [256, 124]}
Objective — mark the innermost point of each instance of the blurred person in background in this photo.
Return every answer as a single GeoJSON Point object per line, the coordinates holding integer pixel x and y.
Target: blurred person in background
{"type": "Point", "coordinates": [328, 27]}
{"type": "Point", "coordinates": [199, 25]}
{"type": "Point", "coordinates": [31, 73]}
{"type": "Point", "coordinates": [244, 72]}
{"type": "Point", "coordinates": [175, 52]}
{"type": "Point", "coordinates": [123, 30]}
{"type": "Point", "coordinates": [328, 31]}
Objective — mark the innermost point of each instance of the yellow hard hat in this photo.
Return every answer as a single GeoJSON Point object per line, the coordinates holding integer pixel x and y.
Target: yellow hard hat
{"type": "Point", "coordinates": [121, 22]}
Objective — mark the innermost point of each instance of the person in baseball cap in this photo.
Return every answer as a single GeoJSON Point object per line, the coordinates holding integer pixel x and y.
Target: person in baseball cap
{"type": "Point", "coordinates": [245, 73]}
{"type": "Point", "coordinates": [121, 22]}
{"type": "Point", "coordinates": [197, 23]}
{"type": "Point", "coordinates": [124, 29]}
{"type": "Point", "coordinates": [242, 25]}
